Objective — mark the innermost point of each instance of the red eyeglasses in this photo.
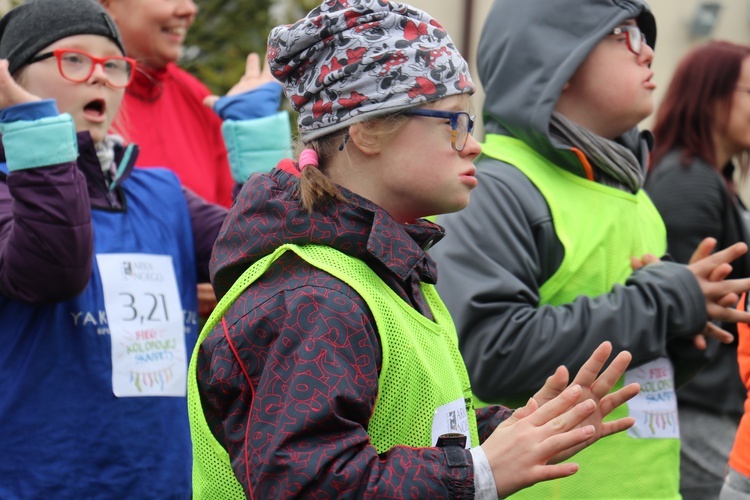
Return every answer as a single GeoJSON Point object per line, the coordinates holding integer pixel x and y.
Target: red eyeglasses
{"type": "Point", "coordinates": [633, 36]}
{"type": "Point", "coordinates": [78, 66]}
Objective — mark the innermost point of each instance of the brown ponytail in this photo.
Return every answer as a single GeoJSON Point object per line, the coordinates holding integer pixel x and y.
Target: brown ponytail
{"type": "Point", "coordinates": [315, 188]}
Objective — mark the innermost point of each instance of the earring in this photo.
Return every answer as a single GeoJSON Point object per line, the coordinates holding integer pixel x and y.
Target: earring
{"type": "Point", "coordinates": [344, 141]}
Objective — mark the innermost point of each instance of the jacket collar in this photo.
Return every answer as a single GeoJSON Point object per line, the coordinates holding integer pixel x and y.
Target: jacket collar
{"type": "Point", "coordinates": [267, 214]}
{"type": "Point", "coordinates": [148, 84]}
{"type": "Point", "coordinates": [89, 165]}
{"type": "Point", "coordinates": [421, 235]}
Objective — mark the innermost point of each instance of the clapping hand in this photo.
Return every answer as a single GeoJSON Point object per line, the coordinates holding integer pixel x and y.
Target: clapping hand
{"type": "Point", "coordinates": [597, 387]}
{"type": "Point", "coordinates": [721, 294]}
{"type": "Point", "coordinates": [557, 422]}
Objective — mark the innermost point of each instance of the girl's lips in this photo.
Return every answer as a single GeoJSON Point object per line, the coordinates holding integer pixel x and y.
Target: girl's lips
{"type": "Point", "coordinates": [472, 172]}
{"type": "Point", "coordinates": [647, 83]}
{"type": "Point", "coordinates": [469, 177]}
{"type": "Point", "coordinates": [95, 111]}
{"type": "Point", "coordinates": [94, 117]}
{"type": "Point", "coordinates": [470, 181]}
{"type": "Point", "coordinates": [175, 30]}
{"type": "Point", "coordinates": [176, 33]}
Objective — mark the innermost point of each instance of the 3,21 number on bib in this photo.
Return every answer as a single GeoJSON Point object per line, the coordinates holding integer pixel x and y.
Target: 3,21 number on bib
{"type": "Point", "coordinates": [146, 324]}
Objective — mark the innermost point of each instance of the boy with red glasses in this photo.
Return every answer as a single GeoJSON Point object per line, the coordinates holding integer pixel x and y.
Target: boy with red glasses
{"type": "Point", "coordinates": [98, 268]}
{"type": "Point", "coordinates": [540, 267]}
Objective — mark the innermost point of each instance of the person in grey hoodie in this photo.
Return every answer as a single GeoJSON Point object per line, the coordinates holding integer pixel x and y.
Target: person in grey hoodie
{"type": "Point", "coordinates": [539, 268]}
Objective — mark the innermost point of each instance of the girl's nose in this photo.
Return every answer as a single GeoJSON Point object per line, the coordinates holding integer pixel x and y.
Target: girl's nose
{"type": "Point", "coordinates": [472, 148]}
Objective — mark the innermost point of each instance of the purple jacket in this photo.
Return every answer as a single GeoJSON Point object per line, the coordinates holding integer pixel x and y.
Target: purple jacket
{"type": "Point", "coordinates": [296, 426]}
{"type": "Point", "coordinates": [46, 237]}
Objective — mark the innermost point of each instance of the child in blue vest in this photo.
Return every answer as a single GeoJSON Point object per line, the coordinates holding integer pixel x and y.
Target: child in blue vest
{"type": "Point", "coordinates": [98, 268]}
{"type": "Point", "coordinates": [330, 368]}
{"type": "Point", "coordinates": [539, 268]}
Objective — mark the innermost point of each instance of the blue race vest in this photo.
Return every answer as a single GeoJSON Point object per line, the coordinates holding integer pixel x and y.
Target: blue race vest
{"type": "Point", "coordinates": [63, 433]}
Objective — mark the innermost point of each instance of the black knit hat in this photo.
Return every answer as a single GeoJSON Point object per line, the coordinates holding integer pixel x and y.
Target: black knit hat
{"type": "Point", "coordinates": [36, 24]}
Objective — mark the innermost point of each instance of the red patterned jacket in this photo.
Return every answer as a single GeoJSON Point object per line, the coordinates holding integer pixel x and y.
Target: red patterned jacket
{"type": "Point", "coordinates": [298, 426]}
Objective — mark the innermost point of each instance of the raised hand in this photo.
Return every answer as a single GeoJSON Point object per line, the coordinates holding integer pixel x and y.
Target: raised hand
{"type": "Point", "coordinates": [721, 294]}
{"type": "Point", "coordinates": [11, 93]}
{"type": "Point", "coordinates": [253, 78]}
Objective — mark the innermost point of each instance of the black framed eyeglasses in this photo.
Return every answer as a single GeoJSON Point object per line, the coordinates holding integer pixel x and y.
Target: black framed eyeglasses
{"type": "Point", "coordinates": [462, 124]}
{"type": "Point", "coordinates": [634, 37]}
{"type": "Point", "coordinates": [78, 66]}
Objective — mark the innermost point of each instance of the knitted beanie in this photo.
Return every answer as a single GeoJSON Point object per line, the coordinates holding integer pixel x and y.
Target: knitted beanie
{"type": "Point", "coordinates": [352, 60]}
{"type": "Point", "coordinates": [36, 24]}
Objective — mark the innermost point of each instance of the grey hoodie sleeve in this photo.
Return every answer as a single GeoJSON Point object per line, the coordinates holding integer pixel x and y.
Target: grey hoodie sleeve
{"type": "Point", "coordinates": [496, 255]}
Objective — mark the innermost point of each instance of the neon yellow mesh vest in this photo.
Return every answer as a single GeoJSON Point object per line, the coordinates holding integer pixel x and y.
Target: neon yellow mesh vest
{"type": "Point", "coordinates": [600, 228]}
{"type": "Point", "coordinates": [422, 368]}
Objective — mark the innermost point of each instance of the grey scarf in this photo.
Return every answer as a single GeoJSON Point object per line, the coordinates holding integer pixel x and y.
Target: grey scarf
{"type": "Point", "coordinates": [616, 165]}
{"type": "Point", "coordinates": [105, 151]}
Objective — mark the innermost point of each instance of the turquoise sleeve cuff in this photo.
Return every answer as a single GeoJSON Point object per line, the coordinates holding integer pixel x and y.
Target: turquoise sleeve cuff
{"type": "Point", "coordinates": [39, 143]}
{"type": "Point", "coordinates": [257, 145]}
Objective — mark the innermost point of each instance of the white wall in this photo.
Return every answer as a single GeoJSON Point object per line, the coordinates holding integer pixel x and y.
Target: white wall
{"type": "Point", "coordinates": [5, 6]}
{"type": "Point", "coordinates": [673, 39]}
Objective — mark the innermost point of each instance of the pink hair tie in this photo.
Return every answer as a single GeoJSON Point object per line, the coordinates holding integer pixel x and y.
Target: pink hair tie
{"type": "Point", "coordinates": [308, 157]}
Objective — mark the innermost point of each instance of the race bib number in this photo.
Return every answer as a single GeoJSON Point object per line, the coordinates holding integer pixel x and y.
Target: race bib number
{"type": "Point", "coordinates": [655, 407]}
{"type": "Point", "coordinates": [146, 325]}
{"type": "Point", "coordinates": [450, 419]}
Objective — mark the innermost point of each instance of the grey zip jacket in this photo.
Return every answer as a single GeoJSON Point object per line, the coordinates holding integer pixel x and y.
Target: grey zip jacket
{"type": "Point", "coordinates": [499, 251]}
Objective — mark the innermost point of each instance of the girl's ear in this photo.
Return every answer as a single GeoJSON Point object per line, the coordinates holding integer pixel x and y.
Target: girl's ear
{"type": "Point", "coordinates": [364, 140]}
{"type": "Point", "coordinates": [107, 4]}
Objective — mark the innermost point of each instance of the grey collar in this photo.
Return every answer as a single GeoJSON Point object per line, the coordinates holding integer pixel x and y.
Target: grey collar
{"type": "Point", "coordinates": [616, 165]}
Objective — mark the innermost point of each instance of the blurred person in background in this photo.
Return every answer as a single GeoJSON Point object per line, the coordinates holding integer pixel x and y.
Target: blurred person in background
{"type": "Point", "coordinates": [702, 124]}
{"type": "Point", "coordinates": [165, 110]}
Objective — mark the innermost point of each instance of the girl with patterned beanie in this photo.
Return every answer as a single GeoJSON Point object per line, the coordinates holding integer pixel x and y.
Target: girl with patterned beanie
{"type": "Point", "coordinates": [330, 367]}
